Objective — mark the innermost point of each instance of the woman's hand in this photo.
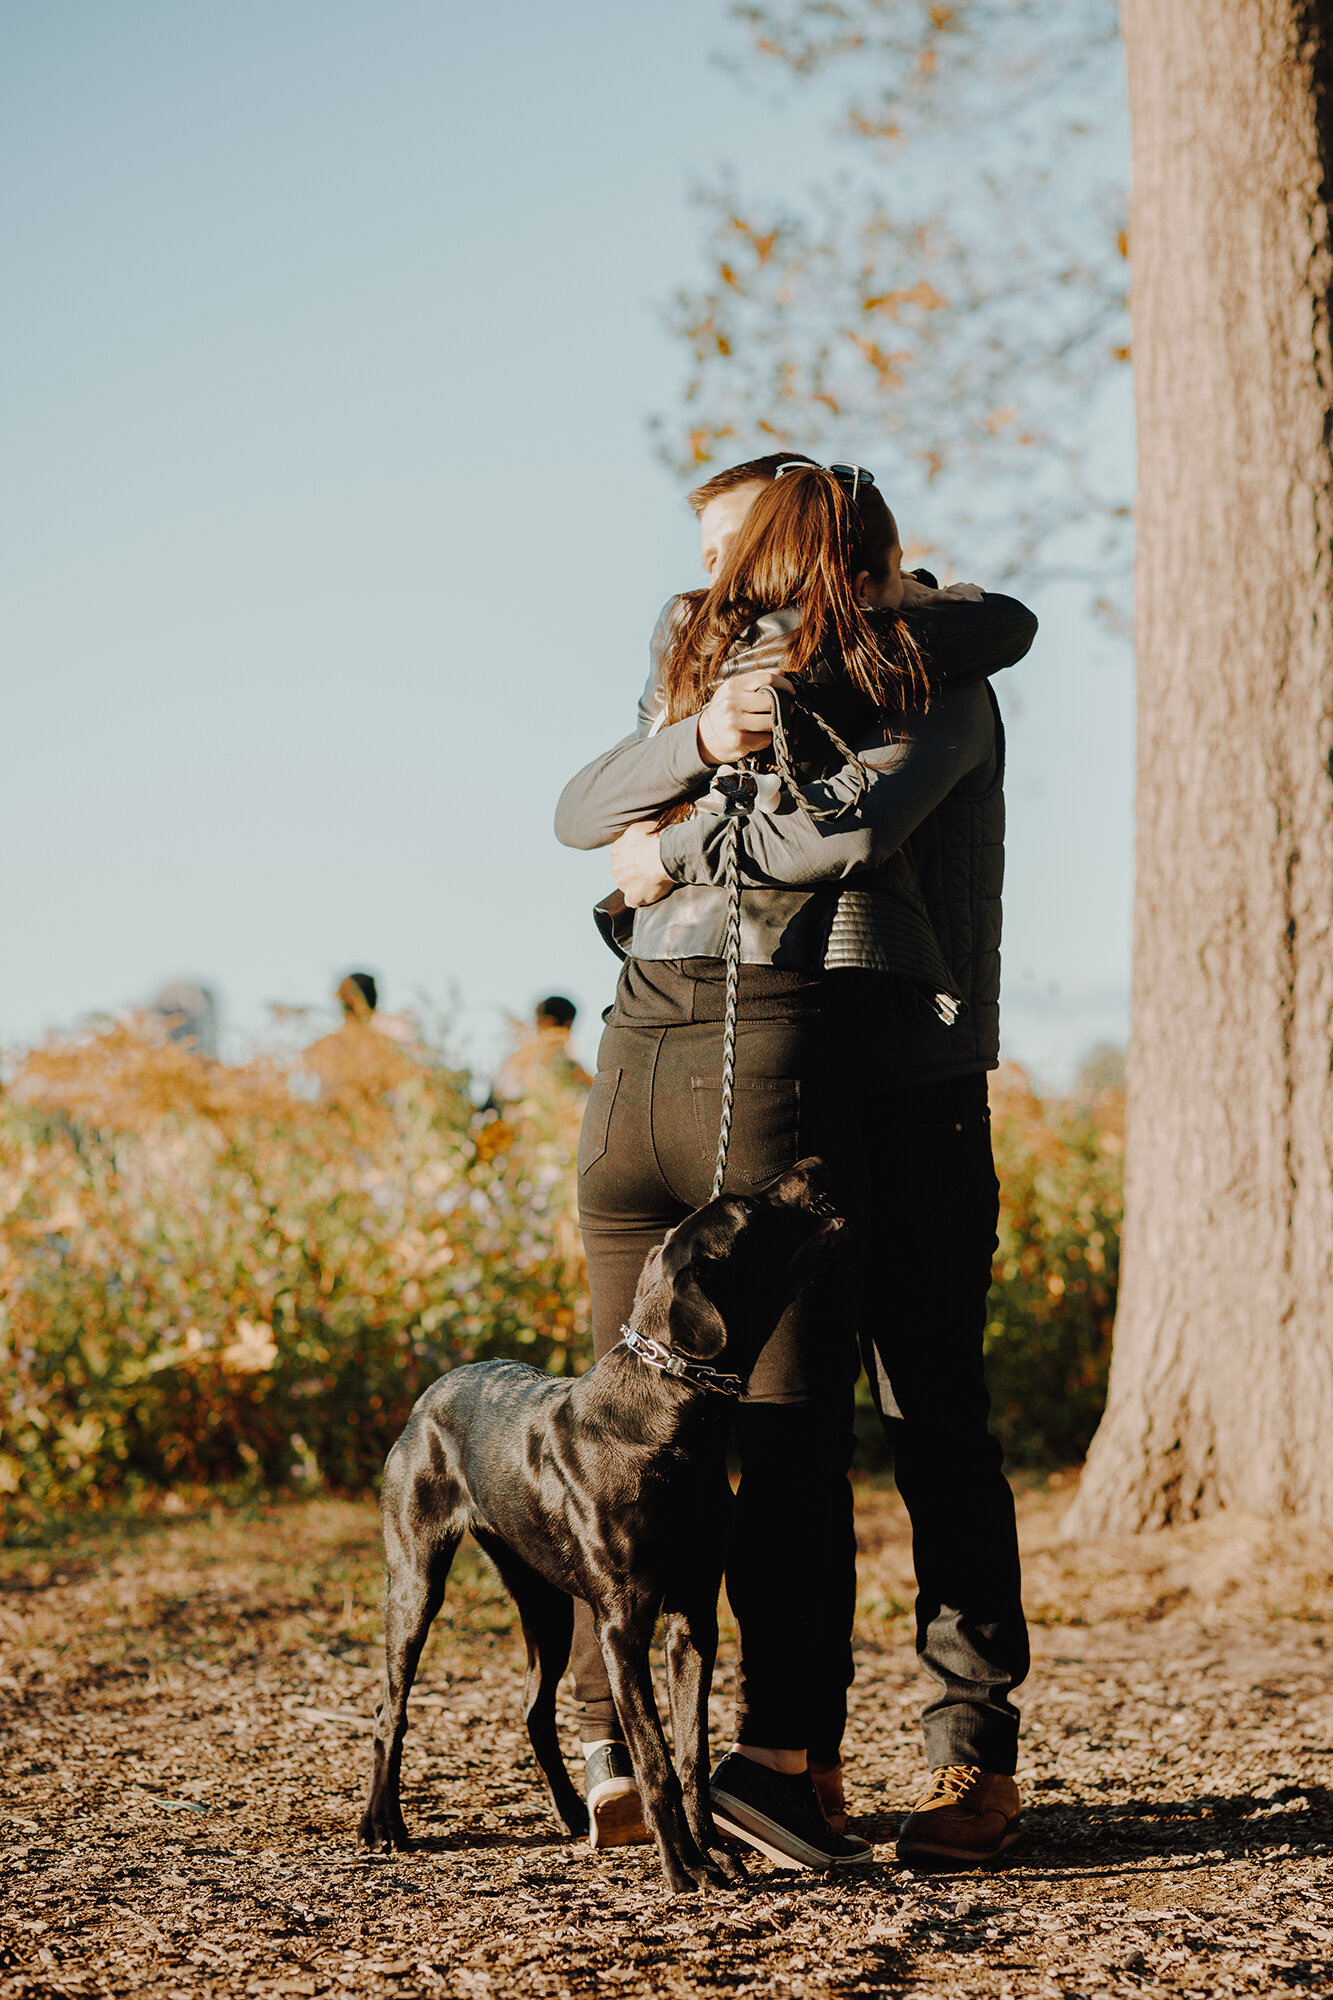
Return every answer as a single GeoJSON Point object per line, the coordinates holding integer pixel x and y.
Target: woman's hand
{"type": "Point", "coordinates": [636, 864]}
{"type": "Point", "coordinates": [739, 718]}
{"type": "Point", "coordinates": [916, 596]}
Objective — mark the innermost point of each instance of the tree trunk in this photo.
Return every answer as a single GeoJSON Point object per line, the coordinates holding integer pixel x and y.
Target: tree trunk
{"type": "Point", "coordinates": [1222, 1380]}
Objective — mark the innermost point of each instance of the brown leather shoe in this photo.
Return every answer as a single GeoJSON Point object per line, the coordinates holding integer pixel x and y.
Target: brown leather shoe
{"type": "Point", "coordinates": [964, 1815]}
{"type": "Point", "coordinates": [828, 1783]}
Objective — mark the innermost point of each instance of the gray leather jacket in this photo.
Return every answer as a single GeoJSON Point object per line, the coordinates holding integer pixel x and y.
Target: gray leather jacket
{"type": "Point", "coordinates": [907, 882]}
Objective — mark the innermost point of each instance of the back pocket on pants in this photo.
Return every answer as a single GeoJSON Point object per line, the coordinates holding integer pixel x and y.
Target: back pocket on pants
{"type": "Point", "coordinates": [596, 1125]}
{"type": "Point", "coordinates": [765, 1126]}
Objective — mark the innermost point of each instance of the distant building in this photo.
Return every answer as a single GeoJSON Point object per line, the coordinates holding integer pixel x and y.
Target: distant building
{"type": "Point", "coordinates": [191, 1012]}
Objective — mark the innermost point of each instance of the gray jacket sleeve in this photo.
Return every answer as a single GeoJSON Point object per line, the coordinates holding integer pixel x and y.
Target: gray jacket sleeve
{"type": "Point", "coordinates": [934, 752]}
{"type": "Point", "coordinates": [642, 775]}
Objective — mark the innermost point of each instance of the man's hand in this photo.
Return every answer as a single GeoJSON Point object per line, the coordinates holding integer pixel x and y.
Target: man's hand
{"type": "Point", "coordinates": [917, 596]}
{"type": "Point", "coordinates": [739, 718]}
{"type": "Point", "coordinates": [636, 864]}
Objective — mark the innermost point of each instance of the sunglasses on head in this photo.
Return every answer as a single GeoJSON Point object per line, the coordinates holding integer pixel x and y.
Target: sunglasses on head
{"type": "Point", "coordinates": [856, 475]}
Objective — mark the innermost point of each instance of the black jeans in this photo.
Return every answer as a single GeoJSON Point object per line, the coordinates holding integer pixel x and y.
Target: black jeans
{"type": "Point", "coordinates": [916, 1175]}
{"type": "Point", "coordinates": [645, 1161]}
{"type": "Point", "coordinates": [926, 1223]}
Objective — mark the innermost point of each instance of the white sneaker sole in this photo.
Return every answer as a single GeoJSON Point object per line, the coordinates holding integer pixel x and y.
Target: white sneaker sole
{"type": "Point", "coordinates": [736, 1817]}
{"type": "Point", "coordinates": [615, 1814]}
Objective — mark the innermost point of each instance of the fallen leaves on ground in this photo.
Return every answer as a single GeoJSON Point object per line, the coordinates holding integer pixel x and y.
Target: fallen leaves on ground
{"type": "Point", "coordinates": [186, 1714]}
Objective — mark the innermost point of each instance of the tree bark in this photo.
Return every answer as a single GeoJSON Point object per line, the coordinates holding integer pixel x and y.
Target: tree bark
{"type": "Point", "coordinates": [1221, 1389]}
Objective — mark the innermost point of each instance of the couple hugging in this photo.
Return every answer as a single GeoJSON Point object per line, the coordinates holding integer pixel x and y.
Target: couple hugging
{"type": "Point", "coordinates": [866, 1023]}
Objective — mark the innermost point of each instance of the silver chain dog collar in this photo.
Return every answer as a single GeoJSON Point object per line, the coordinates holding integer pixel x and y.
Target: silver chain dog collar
{"type": "Point", "coordinates": [654, 1355]}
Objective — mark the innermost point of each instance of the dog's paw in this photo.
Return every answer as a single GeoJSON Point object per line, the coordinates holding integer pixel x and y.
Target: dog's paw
{"type": "Point", "coordinates": [714, 1846]}
{"type": "Point", "coordinates": [574, 1818]}
{"type": "Point", "coordinates": [688, 1873]}
{"type": "Point", "coordinates": [713, 1874]}
{"type": "Point", "coordinates": [680, 1881]}
{"type": "Point", "coordinates": [731, 1866]}
{"type": "Point", "coordinates": [384, 1833]}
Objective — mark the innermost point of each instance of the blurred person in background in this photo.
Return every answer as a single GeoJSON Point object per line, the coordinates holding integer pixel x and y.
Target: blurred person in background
{"type": "Point", "coordinates": [367, 1055]}
{"type": "Point", "coordinates": [543, 1088]}
{"type": "Point", "coordinates": [358, 996]}
{"type": "Point", "coordinates": [543, 1056]}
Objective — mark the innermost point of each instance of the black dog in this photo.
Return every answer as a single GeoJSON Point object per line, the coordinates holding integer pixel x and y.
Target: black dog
{"type": "Point", "coordinates": [611, 1488]}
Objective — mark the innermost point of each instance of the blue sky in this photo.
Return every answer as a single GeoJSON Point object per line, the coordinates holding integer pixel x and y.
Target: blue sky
{"type": "Point", "coordinates": [332, 532]}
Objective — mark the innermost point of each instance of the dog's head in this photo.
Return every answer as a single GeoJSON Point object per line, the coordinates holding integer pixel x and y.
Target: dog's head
{"type": "Point", "coordinates": [724, 1277]}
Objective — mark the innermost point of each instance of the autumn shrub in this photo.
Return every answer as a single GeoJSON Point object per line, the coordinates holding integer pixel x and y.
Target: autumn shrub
{"type": "Point", "coordinates": [1048, 1333]}
{"type": "Point", "coordinates": [215, 1273]}
{"type": "Point", "coordinates": [209, 1274]}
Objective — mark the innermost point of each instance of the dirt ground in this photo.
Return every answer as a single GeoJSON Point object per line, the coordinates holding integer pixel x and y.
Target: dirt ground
{"type": "Point", "coordinates": [186, 1710]}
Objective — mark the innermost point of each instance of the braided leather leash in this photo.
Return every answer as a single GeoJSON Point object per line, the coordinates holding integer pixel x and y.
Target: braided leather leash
{"type": "Point", "coordinates": [737, 791]}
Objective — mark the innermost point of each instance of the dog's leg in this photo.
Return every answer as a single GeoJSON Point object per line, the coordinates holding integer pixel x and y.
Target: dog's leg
{"type": "Point", "coordinates": [548, 1627]}
{"type": "Point", "coordinates": [624, 1638]}
{"type": "Point", "coordinates": [414, 1592]}
{"type": "Point", "coordinates": [691, 1649]}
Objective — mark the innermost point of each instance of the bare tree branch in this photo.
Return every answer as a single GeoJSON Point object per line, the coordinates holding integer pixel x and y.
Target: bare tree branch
{"type": "Point", "coordinates": [958, 303]}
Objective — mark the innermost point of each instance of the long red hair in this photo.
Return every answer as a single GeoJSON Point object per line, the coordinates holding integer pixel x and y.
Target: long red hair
{"type": "Point", "coordinates": [801, 547]}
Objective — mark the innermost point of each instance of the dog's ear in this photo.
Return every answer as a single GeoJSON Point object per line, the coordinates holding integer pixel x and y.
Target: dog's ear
{"type": "Point", "coordinates": [694, 1323]}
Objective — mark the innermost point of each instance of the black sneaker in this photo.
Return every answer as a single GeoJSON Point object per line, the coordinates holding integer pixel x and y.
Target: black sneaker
{"type": "Point", "coordinates": [615, 1810]}
{"type": "Point", "coordinates": [781, 1816]}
